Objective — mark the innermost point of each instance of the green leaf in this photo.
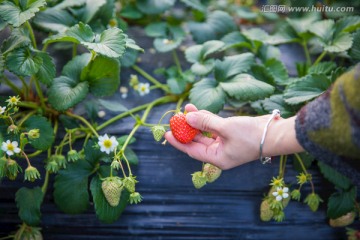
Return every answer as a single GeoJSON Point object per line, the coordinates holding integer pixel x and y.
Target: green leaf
{"type": "Point", "coordinates": [235, 39]}
{"type": "Point", "coordinates": [323, 29]}
{"type": "Point", "coordinates": [47, 70]}
{"type": "Point", "coordinates": [17, 15]}
{"type": "Point", "coordinates": [90, 8]}
{"type": "Point", "coordinates": [46, 138]}
{"type": "Point", "coordinates": [333, 176]}
{"type": "Point", "coordinates": [113, 106]}
{"type": "Point", "coordinates": [78, 33]}
{"type": "Point", "coordinates": [322, 68]}
{"type": "Point", "coordinates": [111, 43]}
{"type": "Point", "coordinates": [103, 76]}
{"type": "Point", "coordinates": [277, 102]}
{"type": "Point", "coordinates": [154, 6]}
{"type": "Point", "coordinates": [193, 53]}
{"type": "Point", "coordinates": [176, 84]}
{"type": "Point", "coordinates": [195, 4]}
{"type": "Point", "coordinates": [66, 91]}
{"type": "Point", "coordinates": [166, 45]}
{"type": "Point", "coordinates": [306, 158]}
{"type": "Point", "coordinates": [157, 29]}
{"type": "Point", "coordinates": [340, 43]}
{"type": "Point", "coordinates": [129, 58]}
{"type": "Point", "coordinates": [121, 140]}
{"type": "Point", "coordinates": [348, 24]}
{"type": "Point", "coordinates": [306, 88]}
{"type": "Point", "coordinates": [267, 52]}
{"type": "Point", "coordinates": [131, 45]}
{"type": "Point", "coordinates": [277, 69]}
{"type": "Point", "coordinates": [217, 25]}
{"type": "Point", "coordinates": [29, 202]}
{"type": "Point", "coordinates": [93, 155]}
{"type": "Point", "coordinates": [130, 11]}
{"type": "Point", "coordinates": [55, 20]}
{"type": "Point", "coordinates": [203, 68]}
{"type": "Point", "coordinates": [24, 62]}
{"type": "Point", "coordinates": [2, 64]}
{"type": "Point", "coordinates": [210, 47]}
{"type": "Point", "coordinates": [105, 212]}
{"type": "Point", "coordinates": [302, 25]}
{"type": "Point", "coordinates": [69, 3]}
{"type": "Point", "coordinates": [354, 51]}
{"type": "Point", "coordinates": [131, 156]}
{"type": "Point", "coordinates": [233, 65]}
{"type": "Point", "coordinates": [245, 87]}
{"type": "Point", "coordinates": [16, 40]}
{"type": "Point", "coordinates": [71, 187]}
{"type": "Point", "coordinates": [341, 203]}
{"type": "Point", "coordinates": [215, 96]}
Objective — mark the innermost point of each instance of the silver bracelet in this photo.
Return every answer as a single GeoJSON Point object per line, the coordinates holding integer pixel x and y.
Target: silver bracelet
{"type": "Point", "coordinates": [275, 114]}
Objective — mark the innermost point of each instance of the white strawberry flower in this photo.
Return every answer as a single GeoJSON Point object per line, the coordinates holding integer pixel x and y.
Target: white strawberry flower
{"type": "Point", "coordinates": [281, 193]}
{"type": "Point", "coordinates": [143, 88]}
{"type": "Point", "coordinates": [107, 144]}
{"type": "Point", "coordinates": [10, 147]}
{"type": "Point", "coordinates": [13, 101]}
{"type": "Point", "coordinates": [2, 109]}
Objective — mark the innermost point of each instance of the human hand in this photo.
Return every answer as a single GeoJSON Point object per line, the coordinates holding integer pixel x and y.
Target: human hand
{"type": "Point", "coordinates": [236, 140]}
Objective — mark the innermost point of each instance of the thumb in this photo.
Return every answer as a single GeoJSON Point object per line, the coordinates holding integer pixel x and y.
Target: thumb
{"type": "Point", "coordinates": [205, 121]}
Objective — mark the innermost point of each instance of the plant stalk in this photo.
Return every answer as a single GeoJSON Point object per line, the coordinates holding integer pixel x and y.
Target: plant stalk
{"type": "Point", "coordinates": [151, 79]}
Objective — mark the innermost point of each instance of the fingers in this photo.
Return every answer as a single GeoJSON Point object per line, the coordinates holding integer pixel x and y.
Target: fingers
{"type": "Point", "coordinates": [197, 150]}
{"type": "Point", "coordinates": [205, 121]}
{"type": "Point", "coordinates": [190, 108]}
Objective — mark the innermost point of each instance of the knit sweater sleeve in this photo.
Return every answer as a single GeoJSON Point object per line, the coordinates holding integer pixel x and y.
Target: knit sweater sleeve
{"type": "Point", "coordinates": [329, 127]}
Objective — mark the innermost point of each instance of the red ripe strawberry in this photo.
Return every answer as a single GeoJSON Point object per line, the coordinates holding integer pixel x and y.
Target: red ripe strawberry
{"type": "Point", "coordinates": [181, 130]}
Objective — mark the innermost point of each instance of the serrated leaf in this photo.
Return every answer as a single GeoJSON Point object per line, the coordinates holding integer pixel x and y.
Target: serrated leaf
{"type": "Point", "coordinates": [17, 39]}
{"type": "Point", "coordinates": [340, 43]}
{"type": "Point", "coordinates": [2, 64]}
{"type": "Point", "coordinates": [47, 70]}
{"type": "Point", "coordinates": [90, 8]}
{"type": "Point", "coordinates": [347, 24]}
{"type": "Point", "coordinates": [323, 29]}
{"type": "Point", "coordinates": [210, 47]}
{"type": "Point", "coordinates": [341, 203]}
{"type": "Point", "coordinates": [154, 6]}
{"type": "Point", "coordinates": [93, 155]}
{"type": "Point", "coordinates": [322, 67]}
{"type": "Point", "coordinates": [261, 73]}
{"type": "Point", "coordinates": [129, 58]}
{"type": "Point", "coordinates": [111, 43]}
{"type": "Point", "coordinates": [195, 4]}
{"type": "Point", "coordinates": [277, 70]}
{"type": "Point", "coordinates": [157, 29]}
{"type": "Point", "coordinates": [203, 68]}
{"type": "Point", "coordinates": [215, 96]}
{"type": "Point", "coordinates": [334, 176]}
{"type": "Point", "coordinates": [217, 25]}
{"type": "Point", "coordinates": [235, 39]}
{"type": "Point", "coordinates": [130, 11]}
{"type": "Point", "coordinates": [302, 25]}
{"type": "Point", "coordinates": [277, 102]}
{"type": "Point", "coordinates": [67, 90]}
{"type": "Point", "coordinates": [112, 105]}
{"type": "Point", "coordinates": [103, 76]}
{"type": "Point", "coordinates": [105, 212]}
{"type": "Point", "coordinates": [306, 88]}
{"type": "Point", "coordinates": [69, 3]}
{"type": "Point", "coordinates": [306, 159]}
{"type": "Point", "coordinates": [176, 85]}
{"type": "Point", "coordinates": [55, 20]}
{"type": "Point", "coordinates": [46, 138]}
{"type": "Point", "coordinates": [17, 15]}
{"type": "Point", "coordinates": [121, 140]}
{"type": "Point", "coordinates": [193, 53]}
{"type": "Point", "coordinates": [24, 62]}
{"type": "Point", "coordinates": [71, 187]}
{"type": "Point", "coordinates": [267, 52]}
{"type": "Point", "coordinates": [29, 202]}
{"type": "Point", "coordinates": [233, 65]}
{"type": "Point", "coordinates": [354, 51]}
{"type": "Point", "coordinates": [131, 45]}
{"type": "Point", "coordinates": [246, 88]}
{"type": "Point", "coordinates": [78, 33]}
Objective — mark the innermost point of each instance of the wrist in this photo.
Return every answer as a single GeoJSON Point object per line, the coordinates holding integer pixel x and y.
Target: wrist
{"type": "Point", "coordinates": [281, 138]}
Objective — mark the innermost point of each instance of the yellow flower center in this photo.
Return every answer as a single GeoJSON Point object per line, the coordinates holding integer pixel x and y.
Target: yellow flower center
{"type": "Point", "coordinates": [13, 99]}
{"type": "Point", "coordinates": [107, 143]}
{"type": "Point", "coordinates": [143, 88]}
{"type": "Point", "coordinates": [10, 147]}
{"type": "Point", "coordinates": [280, 191]}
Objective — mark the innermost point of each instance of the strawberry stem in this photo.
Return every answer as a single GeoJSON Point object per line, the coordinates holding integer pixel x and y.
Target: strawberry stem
{"type": "Point", "coordinates": [170, 111]}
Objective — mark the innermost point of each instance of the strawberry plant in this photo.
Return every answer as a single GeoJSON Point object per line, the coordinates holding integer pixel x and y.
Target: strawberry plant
{"type": "Point", "coordinates": [231, 61]}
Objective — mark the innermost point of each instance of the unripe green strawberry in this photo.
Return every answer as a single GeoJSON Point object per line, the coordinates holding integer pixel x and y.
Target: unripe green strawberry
{"type": "Point", "coordinates": [158, 132]}
{"type": "Point", "coordinates": [129, 183]}
{"type": "Point", "coordinates": [344, 220]}
{"type": "Point", "coordinates": [211, 172]}
{"type": "Point", "coordinates": [198, 179]}
{"type": "Point", "coordinates": [112, 187]}
{"type": "Point", "coordinates": [265, 212]}
{"type": "Point", "coordinates": [313, 200]}
{"type": "Point", "coordinates": [181, 130]}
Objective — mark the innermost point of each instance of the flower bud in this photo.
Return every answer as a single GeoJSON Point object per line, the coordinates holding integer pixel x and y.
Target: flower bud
{"type": "Point", "coordinates": [296, 194]}
{"type": "Point", "coordinates": [31, 174]}
{"type": "Point", "coordinates": [135, 198]}
{"type": "Point", "coordinates": [12, 169]}
{"type": "Point", "coordinates": [52, 167]}
{"type": "Point", "coordinates": [34, 134]}
{"type": "Point", "coordinates": [73, 156]}
{"type": "Point", "coordinates": [13, 129]}
{"type": "Point", "coordinates": [129, 183]}
{"type": "Point", "coordinates": [313, 200]}
{"type": "Point", "coordinates": [60, 160]}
